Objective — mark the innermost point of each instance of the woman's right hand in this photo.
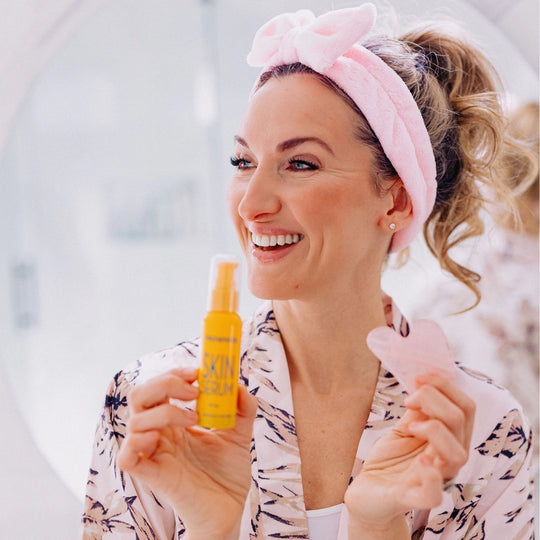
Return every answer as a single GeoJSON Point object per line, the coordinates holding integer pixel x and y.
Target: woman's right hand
{"type": "Point", "coordinates": [204, 474]}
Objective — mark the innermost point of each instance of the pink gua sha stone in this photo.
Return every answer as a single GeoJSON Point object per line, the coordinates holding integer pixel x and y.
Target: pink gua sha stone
{"type": "Point", "coordinates": [425, 350]}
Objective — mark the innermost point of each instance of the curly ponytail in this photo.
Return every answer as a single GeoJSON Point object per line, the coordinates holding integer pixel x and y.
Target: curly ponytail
{"type": "Point", "coordinates": [456, 89]}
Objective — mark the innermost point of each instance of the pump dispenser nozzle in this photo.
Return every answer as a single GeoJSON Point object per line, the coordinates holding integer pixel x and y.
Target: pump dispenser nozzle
{"type": "Point", "coordinates": [223, 286]}
{"type": "Point", "coordinates": [225, 295]}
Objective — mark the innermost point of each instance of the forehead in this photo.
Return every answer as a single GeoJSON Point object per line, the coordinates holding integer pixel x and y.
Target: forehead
{"type": "Point", "coordinates": [298, 103]}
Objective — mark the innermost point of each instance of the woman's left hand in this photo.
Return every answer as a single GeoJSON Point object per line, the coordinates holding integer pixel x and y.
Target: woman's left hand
{"type": "Point", "coordinates": [407, 467]}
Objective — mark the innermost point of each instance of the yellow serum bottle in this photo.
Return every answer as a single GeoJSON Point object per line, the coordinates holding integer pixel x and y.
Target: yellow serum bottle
{"type": "Point", "coordinates": [220, 346]}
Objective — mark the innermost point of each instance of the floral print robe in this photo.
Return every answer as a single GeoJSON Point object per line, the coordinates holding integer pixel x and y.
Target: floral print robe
{"type": "Point", "coordinates": [491, 497]}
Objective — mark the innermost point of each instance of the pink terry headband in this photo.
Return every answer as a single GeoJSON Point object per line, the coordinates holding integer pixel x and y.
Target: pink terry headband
{"type": "Point", "coordinates": [328, 45]}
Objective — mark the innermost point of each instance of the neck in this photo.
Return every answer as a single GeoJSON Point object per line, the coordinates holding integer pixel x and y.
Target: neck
{"type": "Point", "coordinates": [325, 342]}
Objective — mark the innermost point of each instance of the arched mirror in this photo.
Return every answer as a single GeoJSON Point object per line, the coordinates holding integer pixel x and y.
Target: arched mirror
{"type": "Point", "coordinates": [113, 174]}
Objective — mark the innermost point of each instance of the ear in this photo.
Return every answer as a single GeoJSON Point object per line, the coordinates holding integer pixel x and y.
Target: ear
{"type": "Point", "coordinates": [400, 209]}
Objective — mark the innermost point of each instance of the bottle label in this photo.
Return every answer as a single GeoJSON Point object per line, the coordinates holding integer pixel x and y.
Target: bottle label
{"type": "Point", "coordinates": [218, 374]}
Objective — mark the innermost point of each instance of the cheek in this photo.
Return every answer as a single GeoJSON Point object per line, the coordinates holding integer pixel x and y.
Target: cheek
{"type": "Point", "coordinates": [332, 204]}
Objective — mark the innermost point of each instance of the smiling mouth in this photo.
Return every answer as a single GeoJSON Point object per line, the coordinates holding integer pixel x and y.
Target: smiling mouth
{"type": "Point", "coordinates": [267, 242]}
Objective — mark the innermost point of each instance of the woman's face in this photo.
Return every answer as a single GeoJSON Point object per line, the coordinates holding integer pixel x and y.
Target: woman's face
{"type": "Point", "coordinates": [302, 198]}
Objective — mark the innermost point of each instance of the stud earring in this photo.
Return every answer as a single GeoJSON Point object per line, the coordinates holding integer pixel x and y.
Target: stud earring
{"type": "Point", "coordinates": [392, 226]}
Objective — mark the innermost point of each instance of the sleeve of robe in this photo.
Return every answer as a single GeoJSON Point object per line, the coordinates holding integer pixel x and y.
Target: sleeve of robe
{"type": "Point", "coordinates": [118, 506]}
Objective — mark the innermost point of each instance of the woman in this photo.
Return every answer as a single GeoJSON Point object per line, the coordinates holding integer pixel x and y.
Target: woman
{"type": "Point", "coordinates": [350, 158]}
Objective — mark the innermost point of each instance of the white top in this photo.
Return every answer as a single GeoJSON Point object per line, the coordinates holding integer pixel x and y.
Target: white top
{"type": "Point", "coordinates": [323, 524]}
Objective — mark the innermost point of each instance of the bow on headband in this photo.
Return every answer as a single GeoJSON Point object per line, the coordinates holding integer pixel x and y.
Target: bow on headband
{"type": "Point", "coordinates": [329, 45]}
{"type": "Point", "coordinates": [313, 41]}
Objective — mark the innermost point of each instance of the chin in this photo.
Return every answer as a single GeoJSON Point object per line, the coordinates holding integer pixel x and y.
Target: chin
{"type": "Point", "coordinates": [269, 289]}
{"type": "Point", "coordinates": [265, 291]}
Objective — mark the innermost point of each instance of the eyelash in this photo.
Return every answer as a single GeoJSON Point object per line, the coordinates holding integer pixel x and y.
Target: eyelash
{"type": "Point", "coordinates": [310, 165]}
{"type": "Point", "coordinates": [237, 161]}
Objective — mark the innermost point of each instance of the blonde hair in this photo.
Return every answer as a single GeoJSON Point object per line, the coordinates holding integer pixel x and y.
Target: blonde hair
{"type": "Point", "coordinates": [458, 93]}
{"type": "Point", "coordinates": [523, 126]}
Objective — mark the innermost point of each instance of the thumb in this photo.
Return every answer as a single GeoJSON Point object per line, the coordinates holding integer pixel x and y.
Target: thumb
{"type": "Point", "coordinates": [246, 411]}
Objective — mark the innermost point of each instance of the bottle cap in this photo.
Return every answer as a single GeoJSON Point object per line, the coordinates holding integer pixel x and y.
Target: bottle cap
{"type": "Point", "coordinates": [224, 283]}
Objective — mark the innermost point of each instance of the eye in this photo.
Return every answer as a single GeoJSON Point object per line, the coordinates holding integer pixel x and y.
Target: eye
{"type": "Point", "coordinates": [241, 163]}
{"type": "Point", "coordinates": [302, 165]}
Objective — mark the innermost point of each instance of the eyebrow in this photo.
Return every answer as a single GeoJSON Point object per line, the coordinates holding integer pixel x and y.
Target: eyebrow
{"type": "Point", "coordinates": [291, 143]}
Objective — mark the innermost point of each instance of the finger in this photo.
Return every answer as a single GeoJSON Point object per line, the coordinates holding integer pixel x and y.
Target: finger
{"type": "Point", "coordinates": [137, 463]}
{"type": "Point", "coordinates": [175, 384]}
{"type": "Point", "coordinates": [135, 446]}
{"type": "Point", "coordinates": [160, 417]}
{"type": "Point", "coordinates": [434, 404]}
{"type": "Point", "coordinates": [457, 396]}
{"type": "Point", "coordinates": [448, 453]}
{"type": "Point", "coordinates": [189, 374]}
{"type": "Point", "coordinates": [463, 416]}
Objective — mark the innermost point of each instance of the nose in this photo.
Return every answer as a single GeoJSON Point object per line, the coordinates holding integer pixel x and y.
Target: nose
{"type": "Point", "coordinates": [260, 198]}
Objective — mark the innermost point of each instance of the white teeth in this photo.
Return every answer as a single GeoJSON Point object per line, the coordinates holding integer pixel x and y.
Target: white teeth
{"type": "Point", "coordinates": [264, 240]}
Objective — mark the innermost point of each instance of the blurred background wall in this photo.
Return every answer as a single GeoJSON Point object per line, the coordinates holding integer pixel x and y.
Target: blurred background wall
{"type": "Point", "coordinates": [116, 123]}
